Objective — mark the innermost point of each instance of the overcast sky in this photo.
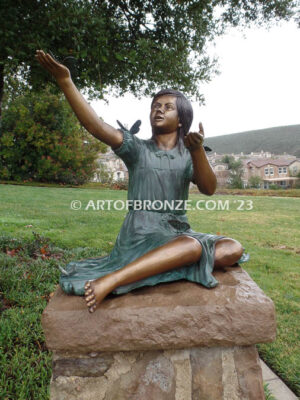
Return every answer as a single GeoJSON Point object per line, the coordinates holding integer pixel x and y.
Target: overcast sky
{"type": "Point", "coordinates": [258, 86]}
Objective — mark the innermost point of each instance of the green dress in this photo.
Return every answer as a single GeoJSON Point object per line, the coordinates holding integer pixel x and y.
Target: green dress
{"type": "Point", "coordinates": [157, 176]}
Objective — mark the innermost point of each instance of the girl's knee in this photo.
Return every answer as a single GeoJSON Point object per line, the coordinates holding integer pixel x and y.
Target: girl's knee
{"type": "Point", "coordinates": [237, 249]}
{"type": "Point", "coordinates": [194, 245]}
{"type": "Point", "coordinates": [230, 247]}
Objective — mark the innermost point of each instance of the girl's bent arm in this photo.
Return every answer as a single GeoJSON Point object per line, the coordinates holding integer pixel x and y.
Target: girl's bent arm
{"type": "Point", "coordinates": [84, 112]}
{"type": "Point", "coordinates": [204, 175]}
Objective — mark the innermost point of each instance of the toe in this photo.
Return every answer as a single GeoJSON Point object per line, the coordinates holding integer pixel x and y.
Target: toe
{"type": "Point", "coordinates": [88, 298]}
{"type": "Point", "coordinates": [87, 285]}
{"type": "Point", "coordinates": [88, 292]}
{"type": "Point", "coordinates": [91, 303]}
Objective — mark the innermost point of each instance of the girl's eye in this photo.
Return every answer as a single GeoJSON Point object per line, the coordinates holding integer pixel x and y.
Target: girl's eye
{"type": "Point", "coordinates": [169, 107]}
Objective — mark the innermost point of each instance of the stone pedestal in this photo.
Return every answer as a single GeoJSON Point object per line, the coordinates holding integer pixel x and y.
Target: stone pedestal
{"type": "Point", "coordinates": [176, 341]}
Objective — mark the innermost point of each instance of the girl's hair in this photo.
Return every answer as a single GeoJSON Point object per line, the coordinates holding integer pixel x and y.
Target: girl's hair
{"type": "Point", "coordinates": [184, 110]}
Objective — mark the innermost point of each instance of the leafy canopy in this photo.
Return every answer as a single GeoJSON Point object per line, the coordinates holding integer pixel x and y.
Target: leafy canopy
{"type": "Point", "coordinates": [128, 45]}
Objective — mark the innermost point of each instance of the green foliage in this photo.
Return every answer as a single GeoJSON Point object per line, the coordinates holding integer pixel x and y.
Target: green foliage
{"type": "Point", "coordinates": [41, 140]}
{"type": "Point", "coordinates": [274, 187]}
{"type": "Point", "coordinates": [255, 181]}
{"type": "Point", "coordinates": [297, 183]}
{"type": "Point", "coordinates": [34, 248]}
{"type": "Point", "coordinates": [112, 40]}
{"type": "Point", "coordinates": [104, 174]}
{"type": "Point", "coordinates": [268, 393]}
{"type": "Point", "coordinates": [275, 140]}
{"type": "Point", "coordinates": [26, 282]}
{"type": "Point", "coordinates": [235, 171]}
{"type": "Point", "coordinates": [121, 184]}
{"type": "Point", "coordinates": [106, 178]}
{"type": "Point", "coordinates": [227, 159]}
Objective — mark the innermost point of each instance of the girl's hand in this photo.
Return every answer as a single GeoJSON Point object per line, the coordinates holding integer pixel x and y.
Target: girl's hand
{"type": "Point", "coordinates": [59, 71]}
{"type": "Point", "coordinates": [194, 140]}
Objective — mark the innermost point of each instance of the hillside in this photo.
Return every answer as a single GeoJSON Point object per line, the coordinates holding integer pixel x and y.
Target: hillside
{"type": "Point", "coordinates": [278, 140]}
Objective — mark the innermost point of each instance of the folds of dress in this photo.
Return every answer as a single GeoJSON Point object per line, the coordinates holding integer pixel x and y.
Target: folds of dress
{"type": "Point", "coordinates": [160, 180]}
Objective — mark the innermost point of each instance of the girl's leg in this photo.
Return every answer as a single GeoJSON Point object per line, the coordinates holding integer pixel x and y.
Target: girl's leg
{"type": "Point", "coordinates": [228, 252]}
{"type": "Point", "coordinates": [183, 250]}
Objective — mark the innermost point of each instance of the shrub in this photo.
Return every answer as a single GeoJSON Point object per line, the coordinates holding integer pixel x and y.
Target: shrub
{"type": "Point", "coordinates": [255, 181]}
{"type": "Point", "coordinates": [42, 140]}
{"type": "Point", "coordinates": [274, 187]}
{"type": "Point", "coordinates": [120, 185]}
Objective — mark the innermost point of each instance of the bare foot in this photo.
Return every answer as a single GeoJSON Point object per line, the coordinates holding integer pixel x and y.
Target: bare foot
{"type": "Point", "coordinates": [96, 291]}
{"type": "Point", "coordinates": [90, 297]}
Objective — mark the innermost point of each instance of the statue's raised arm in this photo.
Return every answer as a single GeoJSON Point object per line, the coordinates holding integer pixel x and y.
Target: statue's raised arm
{"type": "Point", "coordinates": [84, 112]}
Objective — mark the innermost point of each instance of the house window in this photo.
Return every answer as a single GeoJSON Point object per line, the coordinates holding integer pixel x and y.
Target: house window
{"type": "Point", "coordinates": [266, 171]}
{"type": "Point", "coordinates": [282, 183]}
{"type": "Point", "coordinates": [282, 170]}
{"type": "Point", "coordinates": [271, 171]}
{"type": "Point", "coordinates": [295, 170]}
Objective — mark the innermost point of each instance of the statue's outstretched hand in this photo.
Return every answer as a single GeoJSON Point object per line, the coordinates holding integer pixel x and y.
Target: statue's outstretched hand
{"type": "Point", "coordinates": [59, 71]}
{"type": "Point", "coordinates": [194, 140]}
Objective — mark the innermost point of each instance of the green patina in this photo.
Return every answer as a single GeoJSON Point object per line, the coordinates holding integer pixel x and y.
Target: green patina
{"type": "Point", "coordinates": [155, 176]}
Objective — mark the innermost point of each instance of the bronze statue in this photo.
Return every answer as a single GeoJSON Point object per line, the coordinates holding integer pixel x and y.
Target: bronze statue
{"type": "Point", "coordinates": [152, 246]}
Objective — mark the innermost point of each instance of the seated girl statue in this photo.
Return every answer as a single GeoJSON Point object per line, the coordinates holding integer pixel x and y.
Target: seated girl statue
{"type": "Point", "coordinates": [154, 245]}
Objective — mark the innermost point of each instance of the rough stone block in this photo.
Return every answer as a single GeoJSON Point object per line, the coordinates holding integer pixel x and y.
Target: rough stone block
{"type": "Point", "coordinates": [218, 373]}
{"type": "Point", "coordinates": [168, 316]}
{"type": "Point", "coordinates": [177, 341]}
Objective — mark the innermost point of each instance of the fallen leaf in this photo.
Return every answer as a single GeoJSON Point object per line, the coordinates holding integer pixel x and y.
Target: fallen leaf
{"type": "Point", "coordinates": [43, 249]}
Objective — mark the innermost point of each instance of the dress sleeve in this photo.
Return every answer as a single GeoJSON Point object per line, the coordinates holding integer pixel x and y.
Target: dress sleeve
{"type": "Point", "coordinates": [129, 149]}
{"type": "Point", "coordinates": [189, 171]}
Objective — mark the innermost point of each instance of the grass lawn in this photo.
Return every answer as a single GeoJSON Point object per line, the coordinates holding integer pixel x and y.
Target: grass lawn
{"type": "Point", "coordinates": [29, 268]}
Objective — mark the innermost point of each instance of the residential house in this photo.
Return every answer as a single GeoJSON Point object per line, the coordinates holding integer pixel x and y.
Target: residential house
{"type": "Point", "coordinates": [222, 173]}
{"type": "Point", "coordinates": [281, 172]}
{"type": "Point", "coordinates": [113, 165]}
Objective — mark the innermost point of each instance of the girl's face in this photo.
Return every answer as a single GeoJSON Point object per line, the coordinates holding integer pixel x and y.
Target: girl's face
{"type": "Point", "coordinates": [163, 115]}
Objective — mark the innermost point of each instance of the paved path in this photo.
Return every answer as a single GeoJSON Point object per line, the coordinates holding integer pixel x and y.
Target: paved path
{"type": "Point", "coordinates": [278, 389]}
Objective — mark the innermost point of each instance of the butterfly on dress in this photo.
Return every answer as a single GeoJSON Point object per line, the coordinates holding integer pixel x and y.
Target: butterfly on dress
{"type": "Point", "coordinates": [179, 225]}
{"type": "Point", "coordinates": [134, 129]}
